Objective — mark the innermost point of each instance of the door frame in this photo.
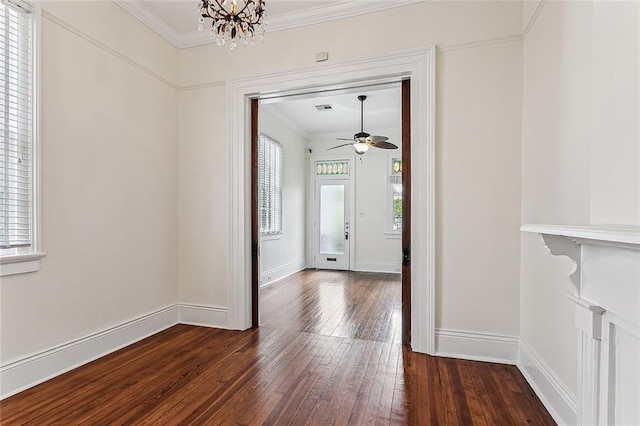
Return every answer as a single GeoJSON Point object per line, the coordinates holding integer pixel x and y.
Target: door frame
{"type": "Point", "coordinates": [406, 211]}
{"type": "Point", "coordinates": [417, 65]}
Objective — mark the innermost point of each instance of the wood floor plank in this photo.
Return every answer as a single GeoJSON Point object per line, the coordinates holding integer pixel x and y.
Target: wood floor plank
{"type": "Point", "coordinates": [367, 394]}
{"type": "Point", "coordinates": [471, 396]}
{"type": "Point", "coordinates": [329, 353]}
{"type": "Point", "coordinates": [458, 390]}
{"type": "Point", "coordinates": [389, 373]}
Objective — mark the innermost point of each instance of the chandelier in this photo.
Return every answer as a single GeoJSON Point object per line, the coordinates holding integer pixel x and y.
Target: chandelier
{"type": "Point", "coordinates": [231, 22]}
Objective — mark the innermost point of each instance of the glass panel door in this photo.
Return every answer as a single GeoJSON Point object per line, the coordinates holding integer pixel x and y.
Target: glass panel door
{"type": "Point", "coordinates": [332, 224]}
{"type": "Point", "coordinates": [332, 219]}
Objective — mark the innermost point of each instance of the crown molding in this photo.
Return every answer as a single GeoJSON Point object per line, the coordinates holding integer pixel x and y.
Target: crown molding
{"type": "Point", "coordinates": [303, 18]}
{"type": "Point", "coordinates": [107, 49]}
{"type": "Point", "coordinates": [150, 19]}
{"type": "Point", "coordinates": [342, 10]}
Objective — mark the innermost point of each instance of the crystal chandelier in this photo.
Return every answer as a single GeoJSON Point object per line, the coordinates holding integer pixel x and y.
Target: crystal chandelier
{"type": "Point", "coordinates": [231, 22]}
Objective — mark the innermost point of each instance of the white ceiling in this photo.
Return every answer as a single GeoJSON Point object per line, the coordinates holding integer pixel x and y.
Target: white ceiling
{"type": "Point", "coordinates": [177, 20]}
{"type": "Point", "coordinates": [382, 111]}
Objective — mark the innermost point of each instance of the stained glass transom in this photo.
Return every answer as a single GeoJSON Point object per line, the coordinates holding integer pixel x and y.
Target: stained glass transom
{"type": "Point", "coordinates": [332, 168]}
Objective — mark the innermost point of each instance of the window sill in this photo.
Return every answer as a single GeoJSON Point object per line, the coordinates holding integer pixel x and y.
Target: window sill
{"type": "Point", "coordinates": [393, 235]}
{"type": "Point", "coordinates": [20, 263]}
{"type": "Point", "coordinates": [270, 237]}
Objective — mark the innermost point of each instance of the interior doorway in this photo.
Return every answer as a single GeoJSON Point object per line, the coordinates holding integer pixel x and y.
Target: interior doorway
{"type": "Point", "coordinates": [416, 64]}
{"type": "Point", "coordinates": [333, 233]}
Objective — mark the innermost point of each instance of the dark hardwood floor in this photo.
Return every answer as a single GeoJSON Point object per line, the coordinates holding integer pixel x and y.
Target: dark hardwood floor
{"type": "Point", "coordinates": [359, 305]}
{"type": "Point", "coordinates": [327, 353]}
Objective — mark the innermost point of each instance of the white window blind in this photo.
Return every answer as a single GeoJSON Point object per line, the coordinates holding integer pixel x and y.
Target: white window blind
{"type": "Point", "coordinates": [16, 125]}
{"type": "Point", "coordinates": [270, 176]}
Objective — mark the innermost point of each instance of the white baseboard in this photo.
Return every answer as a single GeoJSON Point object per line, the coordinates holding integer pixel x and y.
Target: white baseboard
{"type": "Point", "coordinates": [32, 370]}
{"type": "Point", "coordinates": [207, 316]}
{"type": "Point", "coordinates": [374, 266]}
{"type": "Point", "coordinates": [477, 346]}
{"type": "Point", "coordinates": [554, 394]}
{"type": "Point", "coordinates": [275, 274]}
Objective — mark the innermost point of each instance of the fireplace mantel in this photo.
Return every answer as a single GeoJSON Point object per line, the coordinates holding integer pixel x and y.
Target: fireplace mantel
{"type": "Point", "coordinates": [606, 277]}
{"type": "Point", "coordinates": [610, 235]}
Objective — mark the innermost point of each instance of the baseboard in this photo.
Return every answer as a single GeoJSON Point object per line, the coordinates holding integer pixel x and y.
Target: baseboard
{"type": "Point", "coordinates": [32, 370]}
{"type": "Point", "coordinates": [477, 346]}
{"type": "Point", "coordinates": [373, 266]}
{"type": "Point", "coordinates": [554, 394]}
{"type": "Point", "coordinates": [207, 316]}
{"type": "Point", "coordinates": [275, 274]}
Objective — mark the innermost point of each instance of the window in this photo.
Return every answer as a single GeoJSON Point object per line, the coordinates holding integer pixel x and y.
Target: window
{"type": "Point", "coordinates": [395, 191]}
{"type": "Point", "coordinates": [18, 168]}
{"type": "Point", "coordinates": [270, 176]}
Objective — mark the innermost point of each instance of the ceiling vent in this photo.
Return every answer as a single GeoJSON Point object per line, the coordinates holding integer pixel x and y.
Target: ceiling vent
{"type": "Point", "coordinates": [325, 107]}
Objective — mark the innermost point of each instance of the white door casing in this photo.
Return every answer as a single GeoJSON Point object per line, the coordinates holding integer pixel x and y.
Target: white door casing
{"type": "Point", "coordinates": [418, 65]}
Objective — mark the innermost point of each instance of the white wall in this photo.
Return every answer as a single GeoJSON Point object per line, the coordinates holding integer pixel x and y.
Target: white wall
{"type": "Point", "coordinates": [580, 152]}
{"type": "Point", "coordinates": [615, 149]}
{"type": "Point", "coordinates": [479, 91]}
{"type": "Point", "coordinates": [284, 254]}
{"type": "Point", "coordinates": [374, 249]}
{"type": "Point", "coordinates": [109, 181]}
{"type": "Point", "coordinates": [478, 185]}
{"type": "Point", "coordinates": [203, 194]}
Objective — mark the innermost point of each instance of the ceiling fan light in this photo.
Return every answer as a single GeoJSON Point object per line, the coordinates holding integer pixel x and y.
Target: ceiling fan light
{"type": "Point", "coordinates": [361, 147]}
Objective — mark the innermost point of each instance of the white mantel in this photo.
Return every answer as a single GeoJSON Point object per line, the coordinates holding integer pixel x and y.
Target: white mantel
{"type": "Point", "coordinates": [606, 276]}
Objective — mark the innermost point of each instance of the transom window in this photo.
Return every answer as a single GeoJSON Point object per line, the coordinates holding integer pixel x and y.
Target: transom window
{"type": "Point", "coordinates": [270, 177]}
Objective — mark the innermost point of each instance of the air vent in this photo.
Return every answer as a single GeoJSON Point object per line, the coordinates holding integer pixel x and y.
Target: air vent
{"type": "Point", "coordinates": [325, 107]}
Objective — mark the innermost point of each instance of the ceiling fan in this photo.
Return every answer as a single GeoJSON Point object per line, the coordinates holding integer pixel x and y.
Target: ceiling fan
{"type": "Point", "coordinates": [363, 141]}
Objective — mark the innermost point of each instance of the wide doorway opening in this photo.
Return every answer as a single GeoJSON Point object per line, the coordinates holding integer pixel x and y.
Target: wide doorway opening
{"type": "Point", "coordinates": [331, 223]}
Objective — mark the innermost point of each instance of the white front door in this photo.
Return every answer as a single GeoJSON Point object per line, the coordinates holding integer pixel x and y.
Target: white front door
{"type": "Point", "coordinates": [332, 224]}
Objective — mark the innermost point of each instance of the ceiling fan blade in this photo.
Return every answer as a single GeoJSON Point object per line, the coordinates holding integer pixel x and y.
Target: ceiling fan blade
{"type": "Point", "coordinates": [340, 146]}
{"type": "Point", "coordinates": [383, 145]}
{"type": "Point", "coordinates": [379, 138]}
{"type": "Point", "coordinates": [343, 139]}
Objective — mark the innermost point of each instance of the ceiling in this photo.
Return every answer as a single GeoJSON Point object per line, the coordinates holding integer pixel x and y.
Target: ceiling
{"type": "Point", "coordinates": [177, 20]}
{"type": "Point", "coordinates": [382, 111]}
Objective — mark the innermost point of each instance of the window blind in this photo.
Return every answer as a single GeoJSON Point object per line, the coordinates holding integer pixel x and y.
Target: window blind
{"type": "Point", "coordinates": [270, 177]}
{"type": "Point", "coordinates": [16, 108]}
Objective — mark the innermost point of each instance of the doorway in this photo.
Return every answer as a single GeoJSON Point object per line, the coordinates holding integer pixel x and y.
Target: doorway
{"type": "Point", "coordinates": [418, 65]}
{"type": "Point", "coordinates": [332, 184]}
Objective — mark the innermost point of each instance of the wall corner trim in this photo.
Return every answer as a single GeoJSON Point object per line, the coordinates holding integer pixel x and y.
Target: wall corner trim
{"type": "Point", "coordinates": [476, 346]}
{"type": "Point", "coordinates": [552, 391]}
{"type": "Point", "coordinates": [201, 315]}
